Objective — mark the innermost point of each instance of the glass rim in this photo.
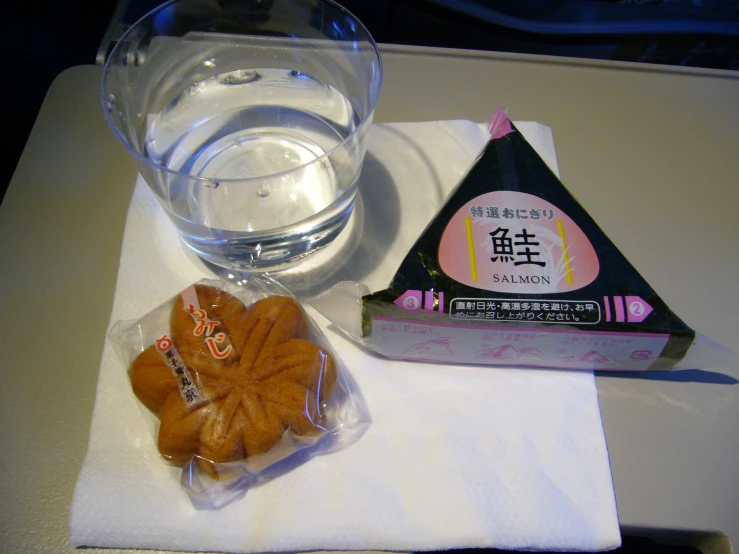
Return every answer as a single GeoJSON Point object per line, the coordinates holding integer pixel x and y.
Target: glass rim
{"type": "Point", "coordinates": [139, 156]}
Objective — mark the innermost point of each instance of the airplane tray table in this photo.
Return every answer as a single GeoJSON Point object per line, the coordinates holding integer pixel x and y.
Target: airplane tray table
{"type": "Point", "coordinates": [649, 151]}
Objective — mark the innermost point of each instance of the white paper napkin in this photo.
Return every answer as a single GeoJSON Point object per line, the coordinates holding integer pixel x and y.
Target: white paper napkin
{"type": "Point", "coordinates": [455, 456]}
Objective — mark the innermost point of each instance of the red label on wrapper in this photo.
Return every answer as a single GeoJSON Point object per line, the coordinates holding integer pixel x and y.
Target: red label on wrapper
{"type": "Point", "coordinates": [218, 344]}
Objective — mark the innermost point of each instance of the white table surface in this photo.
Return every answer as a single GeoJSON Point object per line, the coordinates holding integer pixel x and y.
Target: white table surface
{"type": "Point", "coordinates": [651, 152]}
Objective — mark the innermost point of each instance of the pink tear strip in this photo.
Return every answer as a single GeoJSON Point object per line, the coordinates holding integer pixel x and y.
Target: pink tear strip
{"type": "Point", "coordinates": [498, 124]}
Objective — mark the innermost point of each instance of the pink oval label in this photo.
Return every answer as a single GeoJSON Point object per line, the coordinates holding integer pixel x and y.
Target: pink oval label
{"type": "Point", "coordinates": [508, 241]}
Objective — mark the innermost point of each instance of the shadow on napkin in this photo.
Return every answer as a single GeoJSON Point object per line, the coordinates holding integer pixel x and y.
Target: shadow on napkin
{"type": "Point", "coordinates": [678, 376]}
{"type": "Point", "coordinates": [631, 545]}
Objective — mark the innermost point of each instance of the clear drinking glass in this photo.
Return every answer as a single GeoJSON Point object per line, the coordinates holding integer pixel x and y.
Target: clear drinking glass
{"type": "Point", "coordinates": [248, 120]}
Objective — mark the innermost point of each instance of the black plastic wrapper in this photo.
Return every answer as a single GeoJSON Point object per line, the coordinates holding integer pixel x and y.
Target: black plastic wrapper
{"type": "Point", "coordinates": [513, 271]}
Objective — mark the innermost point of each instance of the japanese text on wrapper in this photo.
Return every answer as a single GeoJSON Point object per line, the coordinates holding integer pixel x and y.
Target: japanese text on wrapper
{"type": "Point", "coordinates": [188, 389]}
{"type": "Point", "coordinates": [573, 312]}
{"type": "Point", "coordinates": [206, 326]}
{"type": "Point", "coordinates": [503, 246]}
{"type": "Point", "coordinates": [496, 212]}
{"type": "Point", "coordinates": [391, 326]}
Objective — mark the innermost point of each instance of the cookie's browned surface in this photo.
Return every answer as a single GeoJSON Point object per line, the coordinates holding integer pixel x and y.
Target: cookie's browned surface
{"type": "Point", "coordinates": [273, 380]}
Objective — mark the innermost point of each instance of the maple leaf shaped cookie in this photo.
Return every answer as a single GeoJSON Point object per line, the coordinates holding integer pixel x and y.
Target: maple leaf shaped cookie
{"type": "Point", "coordinates": [230, 380]}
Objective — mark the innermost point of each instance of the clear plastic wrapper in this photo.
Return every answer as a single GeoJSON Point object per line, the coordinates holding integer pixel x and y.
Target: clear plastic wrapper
{"type": "Point", "coordinates": [242, 383]}
{"type": "Point", "coordinates": [513, 271]}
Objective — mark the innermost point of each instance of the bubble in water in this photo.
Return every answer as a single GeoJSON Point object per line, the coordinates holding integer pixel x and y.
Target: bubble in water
{"type": "Point", "coordinates": [192, 90]}
{"type": "Point", "coordinates": [240, 77]}
{"type": "Point", "coordinates": [300, 75]}
{"type": "Point", "coordinates": [263, 190]}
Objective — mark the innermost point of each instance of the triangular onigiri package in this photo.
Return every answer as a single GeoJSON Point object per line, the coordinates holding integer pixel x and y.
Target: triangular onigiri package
{"type": "Point", "coordinates": [513, 271]}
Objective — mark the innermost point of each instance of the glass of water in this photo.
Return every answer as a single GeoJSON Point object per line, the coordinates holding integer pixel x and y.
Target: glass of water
{"type": "Point", "coordinates": [248, 120]}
